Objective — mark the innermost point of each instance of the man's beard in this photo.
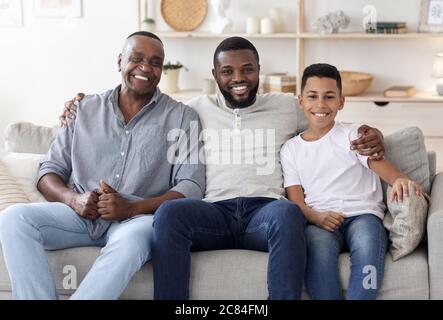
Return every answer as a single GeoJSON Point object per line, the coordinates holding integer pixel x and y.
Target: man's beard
{"type": "Point", "coordinates": [243, 104]}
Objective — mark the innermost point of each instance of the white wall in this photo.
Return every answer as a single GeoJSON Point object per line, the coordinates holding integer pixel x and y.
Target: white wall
{"type": "Point", "coordinates": [49, 59]}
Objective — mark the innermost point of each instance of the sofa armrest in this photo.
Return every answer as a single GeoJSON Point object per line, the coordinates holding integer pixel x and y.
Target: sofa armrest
{"type": "Point", "coordinates": [435, 239]}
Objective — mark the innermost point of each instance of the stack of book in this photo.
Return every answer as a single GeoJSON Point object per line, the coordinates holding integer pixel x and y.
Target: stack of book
{"type": "Point", "coordinates": [279, 82]}
{"type": "Point", "coordinates": [400, 92]}
{"type": "Point", "coordinates": [387, 27]}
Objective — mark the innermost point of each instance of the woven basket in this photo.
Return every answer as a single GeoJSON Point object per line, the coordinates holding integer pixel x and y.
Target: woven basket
{"type": "Point", "coordinates": [184, 15]}
{"type": "Point", "coordinates": [355, 83]}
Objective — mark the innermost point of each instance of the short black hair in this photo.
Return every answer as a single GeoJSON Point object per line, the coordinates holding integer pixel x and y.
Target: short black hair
{"type": "Point", "coordinates": [235, 43]}
{"type": "Point", "coordinates": [145, 34]}
{"type": "Point", "coordinates": [321, 70]}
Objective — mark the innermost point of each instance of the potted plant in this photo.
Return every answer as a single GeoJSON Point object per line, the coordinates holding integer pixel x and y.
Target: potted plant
{"type": "Point", "coordinates": [170, 75]}
{"type": "Point", "coordinates": [148, 24]}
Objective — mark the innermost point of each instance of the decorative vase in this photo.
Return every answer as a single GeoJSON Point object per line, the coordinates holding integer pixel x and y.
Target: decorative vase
{"type": "Point", "coordinates": [148, 26]}
{"type": "Point", "coordinates": [169, 81]}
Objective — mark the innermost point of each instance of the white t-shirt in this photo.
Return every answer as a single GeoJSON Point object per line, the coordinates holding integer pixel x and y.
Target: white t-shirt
{"type": "Point", "coordinates": [334, 177]}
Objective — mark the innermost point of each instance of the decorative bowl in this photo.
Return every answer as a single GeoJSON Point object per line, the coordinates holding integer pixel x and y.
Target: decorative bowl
{"type": "Point", "coordinates": [354, 82]}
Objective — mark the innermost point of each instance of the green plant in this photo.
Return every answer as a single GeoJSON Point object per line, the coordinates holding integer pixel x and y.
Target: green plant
{"type": "Point", "coordinates": [148, 20]}
{"type": "Point", "coordinates": [173, 66]}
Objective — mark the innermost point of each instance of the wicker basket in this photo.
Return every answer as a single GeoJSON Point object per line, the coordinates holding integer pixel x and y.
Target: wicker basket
{"type": "Point", "coordinates": [355, 83]}
{"type": "Point", "coordinates": [184, 15]}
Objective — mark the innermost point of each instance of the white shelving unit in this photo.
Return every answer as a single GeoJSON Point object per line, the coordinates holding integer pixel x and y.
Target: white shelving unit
{"type": "Point", "coordinates": [301, 37]}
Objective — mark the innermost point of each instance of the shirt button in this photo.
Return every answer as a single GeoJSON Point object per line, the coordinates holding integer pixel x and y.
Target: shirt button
{"type": "Point", "coordinates": [117, 176]}
{"type": "Point", "coordinates": [122, 154]}
{"type": "Point", "coordinates": [127, 131]}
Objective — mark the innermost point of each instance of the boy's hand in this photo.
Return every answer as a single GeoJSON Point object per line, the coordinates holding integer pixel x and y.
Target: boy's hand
{"type": "Point", "coordinates": [329, 220]}
{"type": "Point", "coordinates": [400, 189]}
{"type": "Point", "coordinates": [70, 109]}
{"type": "Point", "coordinates": [369, 143]}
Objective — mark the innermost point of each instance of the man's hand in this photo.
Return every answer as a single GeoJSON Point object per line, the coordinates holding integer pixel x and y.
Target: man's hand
{"type": "Point", "coordinates": [70, 109]}
{"type": "Point", "coordinates": [85, 204]}
{"type": "Point", "coordinates": [329, 220]}
{"type": "Point", "coordinates": [369, 143]}
{"type": "Point", "coordinates": [400, 189]}
{"type": "Point", "coordinates": [112, 206]}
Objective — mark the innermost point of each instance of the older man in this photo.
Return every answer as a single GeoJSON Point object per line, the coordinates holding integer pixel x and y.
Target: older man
{"type": "Point", "coordinates": [120, 153]}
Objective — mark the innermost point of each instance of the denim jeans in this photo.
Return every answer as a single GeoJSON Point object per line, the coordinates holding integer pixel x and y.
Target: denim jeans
{"type": "Point", "coordinates": [262, 224]}
{"type": "Point", "coordinates": [367, 241]}
{"type": "Point", "coordinates": [27, 230]}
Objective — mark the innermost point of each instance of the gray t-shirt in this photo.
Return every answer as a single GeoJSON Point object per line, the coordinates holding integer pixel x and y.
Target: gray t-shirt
{"type": "Point", "coordinates": [131, 157]}
{"type": "Point", "coordinates": [242, 146]}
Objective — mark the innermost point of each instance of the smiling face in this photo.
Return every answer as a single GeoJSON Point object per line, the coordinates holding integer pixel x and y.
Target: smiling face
{"type": "Point", "coordinates": [320, 102]}
{"type": "Point", "coordinates": [141, 64]}
{"type": "Point", "coordinates": [237, 75]}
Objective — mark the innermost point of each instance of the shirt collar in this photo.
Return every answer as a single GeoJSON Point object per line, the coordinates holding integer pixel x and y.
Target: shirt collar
{"type": "Point", "coordinates": [114, 99]}
{"type": "Point", "coordinates": [222, 103]}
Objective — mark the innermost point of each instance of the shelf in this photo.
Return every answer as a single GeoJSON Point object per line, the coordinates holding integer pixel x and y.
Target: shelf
{"type": "Point", "coordinates": [186, 95]}
{"type": "Point", "coordinates": [361, 35]}
{"type": "Point", "coordinates": [293, 35]}
{"type": "Point", "coordinates": [172, 34]}
{"type": "Point", "coordinates": [379, 97]}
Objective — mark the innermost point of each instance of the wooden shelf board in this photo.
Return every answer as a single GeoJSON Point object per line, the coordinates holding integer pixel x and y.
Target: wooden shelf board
{"type": "Point", "coordinates": [366, 97]}
{"type": "Point", "coordinates": [307, 35]}
{"type": "Point", "coordinates": [171, 34]}
{"type": "Point", "coordinates": [379, 97]}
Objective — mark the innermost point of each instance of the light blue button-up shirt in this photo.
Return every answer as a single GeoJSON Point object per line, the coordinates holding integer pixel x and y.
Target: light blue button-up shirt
{"type": "Point", "coordinates": [132, 157]}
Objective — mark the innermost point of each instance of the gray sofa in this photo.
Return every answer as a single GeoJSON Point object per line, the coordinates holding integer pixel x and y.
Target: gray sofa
{"type": "Point", "coordinates": [241, 274]}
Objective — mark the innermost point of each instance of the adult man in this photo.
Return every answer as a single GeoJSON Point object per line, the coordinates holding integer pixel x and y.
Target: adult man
{"type": "Point", "coordinates": [119, 137]}
{"type": "Point", "coordinates": [244, 203]}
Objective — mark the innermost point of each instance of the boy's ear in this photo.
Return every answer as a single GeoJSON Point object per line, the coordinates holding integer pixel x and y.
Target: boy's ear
{"type": "Point", "coordinates": [342, 102]}
{"type": "Point", "coordinates": [300, 101]}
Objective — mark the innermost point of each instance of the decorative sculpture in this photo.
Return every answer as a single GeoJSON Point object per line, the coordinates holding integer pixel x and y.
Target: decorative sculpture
{"type": "Point", "coordinates": [331, 22]}
{"type": "Point", "coordinates": [221, 24]}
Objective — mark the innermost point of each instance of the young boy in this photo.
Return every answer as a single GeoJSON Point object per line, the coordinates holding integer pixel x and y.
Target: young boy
{"type": "Point", "coordinates": [338, 191]}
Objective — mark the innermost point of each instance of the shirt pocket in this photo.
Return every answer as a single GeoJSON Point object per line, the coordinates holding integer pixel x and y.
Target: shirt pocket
{"type": "Point", "coordinates": [151, 145]}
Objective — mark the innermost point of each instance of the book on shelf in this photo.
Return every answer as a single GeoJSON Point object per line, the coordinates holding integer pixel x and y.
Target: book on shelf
{"type": "Point", "coordinates": [399, 92]}
{"type": "Point", "coordinates": [279, 82]}
{"type": "Point", "coordinates": [387, 27]}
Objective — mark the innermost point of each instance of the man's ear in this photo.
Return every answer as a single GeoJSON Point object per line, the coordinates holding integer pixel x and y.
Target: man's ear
{"type": "Point", "coordinates": [119, 62]}
{"type": "Point", "coordinates": [214, 74]}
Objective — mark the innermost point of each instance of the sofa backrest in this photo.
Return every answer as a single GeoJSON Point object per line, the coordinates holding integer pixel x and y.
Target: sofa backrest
{"type": "Point", "coordinates": [405, 148]}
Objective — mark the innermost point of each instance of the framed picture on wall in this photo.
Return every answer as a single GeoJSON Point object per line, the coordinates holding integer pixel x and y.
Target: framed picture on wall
{"type": "Point", "coordinates": [11, 13]}
{"type": "Point", "coordinates": [431, 16]}
{"type": "Point", "coordinates": [58, 8]}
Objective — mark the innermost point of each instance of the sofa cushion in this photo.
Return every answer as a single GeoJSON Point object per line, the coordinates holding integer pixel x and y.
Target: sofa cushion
{"type": "Point", "coordinates": [29, 138]}
{"type": "Point", "coordinates": [237, 274]}
{"type": "Point", "coordinates": [406, 150]}
{"type": "Point", "coordinates": [23, 167]}
{"type": "Point", "coordinates": [406, 222]}
{"type": "Point", "coordinates": [10, 191]}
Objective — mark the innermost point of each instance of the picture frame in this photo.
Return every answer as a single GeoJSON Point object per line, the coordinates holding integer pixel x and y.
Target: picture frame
{"type": "Point", "coordinates": [431, 16]}
{"type": "Point", "coordinates": [58, 8]}
{"type": "Point", "coordinates": [11, 13]}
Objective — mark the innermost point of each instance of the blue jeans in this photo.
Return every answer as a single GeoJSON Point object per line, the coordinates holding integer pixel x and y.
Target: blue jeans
{"type": "Point", "coordinates": [367, 241]}
{"type": "Point", "coordinates": [27, 230]}
{"type": "Point", "coordinates": [262, 224]}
